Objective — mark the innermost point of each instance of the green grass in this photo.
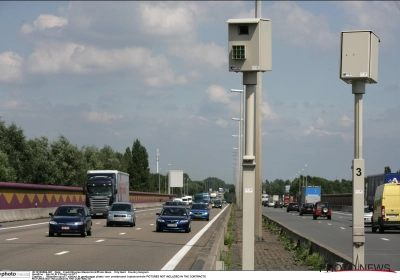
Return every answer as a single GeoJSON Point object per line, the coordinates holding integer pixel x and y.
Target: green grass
{"type": "Point", "coordinates": [228, 239]}
{"type": "Point", "coordinates": [302, 253]}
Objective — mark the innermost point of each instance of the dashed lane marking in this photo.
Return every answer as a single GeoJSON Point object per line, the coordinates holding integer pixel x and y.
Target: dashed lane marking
{"type": "Point", "coordinates": [61, 253]}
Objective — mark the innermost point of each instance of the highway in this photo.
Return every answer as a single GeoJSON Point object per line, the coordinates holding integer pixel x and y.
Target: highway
{"type": "Point", "coordinates": [26, 246]}
{"type": "Point", "coordinates": [380, 249]}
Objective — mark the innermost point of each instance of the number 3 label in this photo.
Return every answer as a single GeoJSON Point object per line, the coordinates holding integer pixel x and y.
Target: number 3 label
{"type": "Point", "coordinates": [358, 172]}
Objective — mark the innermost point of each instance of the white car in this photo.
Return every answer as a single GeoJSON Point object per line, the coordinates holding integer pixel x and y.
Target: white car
{"type": "Point", "coordinates": [271, 204]}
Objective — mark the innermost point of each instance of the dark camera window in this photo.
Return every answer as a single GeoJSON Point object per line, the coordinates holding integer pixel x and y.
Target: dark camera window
{"type": "Point", "coordinates": [243, 30]}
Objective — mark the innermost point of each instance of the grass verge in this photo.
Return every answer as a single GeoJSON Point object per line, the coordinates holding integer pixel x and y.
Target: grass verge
{"type": "Point", "coordinates": [228, 239]}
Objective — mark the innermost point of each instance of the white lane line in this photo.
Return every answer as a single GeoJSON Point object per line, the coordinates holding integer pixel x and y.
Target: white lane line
{"type": "Point", "coordinates": [2, 228]}
{"type": "Point", "coordinates": [98, 223]}
{"type": "Point", "coordinates": [152, 224]}
{"type": "Point", "coordinates": [319, 222]}
{"type": "Point", "coordinates": [11, 239]}
{"type": "Point", "coordinates": [61, 253]}
{"type": "Point", "coordinates": [385, 239]}
{"type": "Point", "coordinates": [329, 224]}
{"type": "Point", "coordinates": [182, 252]}
{"type": "Point", "coordinates": [342, 228]}
{"type": "Point", "coordinates": [138, 228]}
{"type": "Point", "coordinates": [122, 233]}
{"type": "Point", "coordinates": [101, 240]}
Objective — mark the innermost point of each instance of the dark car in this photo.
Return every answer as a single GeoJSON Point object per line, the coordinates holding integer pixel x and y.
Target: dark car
{"type": "Point", "coordinates": [200, 211]}
{"type": "Point", "coordinates": [322, 209]}
{"type": "Point", "coordinates": [278, 205]}
{"type": "Point", "coordinates": [217, 204]}
{"type": "Point", "coordinates": [306, 208]}
{"type": "Point", "coordinates": [71, 219]}
{"type": "Point", "coordinates": [173, 218]}
{"type": "Point", "coordinates": [292, 206]}
{"type": "Point", "coordinates": [121, 213]}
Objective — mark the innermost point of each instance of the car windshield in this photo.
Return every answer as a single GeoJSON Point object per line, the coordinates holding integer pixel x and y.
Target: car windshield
{"type": "Point", "coordinates": [200, 206]}
{"type": "Point", "coordinates": [179, 211]}
{"type": "Point", "coordinates": [171, 203]}
{"type": "Point", "coordinates": [367, 210]}
{"type": "Point", "coordinates": [307, 205]}
{"type": "Point", "coordinates": [217, 201]}
{"type": "Point", "coordinates": [322, 205]}
{"type": "Point", "coordinates": [121, 207]}
{"type": "Point", "coordinates": [69, 211]}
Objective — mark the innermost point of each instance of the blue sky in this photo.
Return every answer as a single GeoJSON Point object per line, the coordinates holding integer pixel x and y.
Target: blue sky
{"type": "Point", "coordinates": [107, 73]}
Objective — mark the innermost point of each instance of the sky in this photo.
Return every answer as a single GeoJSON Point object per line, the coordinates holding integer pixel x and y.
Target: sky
{"type": "Point", "coordinates": [108, 73]}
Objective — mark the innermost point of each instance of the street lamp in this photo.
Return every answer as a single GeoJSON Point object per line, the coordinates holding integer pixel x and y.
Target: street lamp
{"type": "Point", "coordinates": [159, 191]}
{"type": "Point", "coordinates": [306, 176]}
{"type": "Point", "coordinates": [240, 167]}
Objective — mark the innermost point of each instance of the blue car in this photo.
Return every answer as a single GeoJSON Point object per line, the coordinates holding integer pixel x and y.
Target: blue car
{"type": "Point", "coordinates": [200, 211]}
{"type": "Point", "coordinates": [174, 218]}
{"type": "Point", "coordinates": [71, 219]}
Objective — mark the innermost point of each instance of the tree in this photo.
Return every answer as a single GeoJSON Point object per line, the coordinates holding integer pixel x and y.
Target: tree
{"type": "Point", "coordinates": [7, 173]}
{"type": "Point", "coordinates": [141, 172]}
{"type": "Point", "coordinates": [387, 170]}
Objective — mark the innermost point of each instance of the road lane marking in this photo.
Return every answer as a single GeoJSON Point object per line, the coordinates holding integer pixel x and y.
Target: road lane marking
{"type": "Point", "coordinates": [61, 253]}
{"type": "Point", "coordinates": [342, 228]}
{"type": "Point", "coordinates": [3, 228]}
{"type": "Point", "coordinates": [122, 233]}
{"type": "Point", "coordinates": [101, 240]}
{"type": "Point", "coordinates": [98, 223]}
{"type": "Point", "coordinates": [152, 224]}
{"type": "Point", "coordinates": [319, 222]}
{"type": "Point", "coordinates": [138, 228]}
{"type": "Point", "coordinates": [182, 252]}
{"type": "Point", "coordinates": [329, 224]}
{"type": "Point", "coordinates": [385, 239]}
{"type": "Point", "coordinates": [11, 239]}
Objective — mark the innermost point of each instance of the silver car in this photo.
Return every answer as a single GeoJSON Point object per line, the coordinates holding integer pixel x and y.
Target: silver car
{"type": "Point", "coordinates": [121, 213]}
{"type": "Point", "coordinates": [367, 215]}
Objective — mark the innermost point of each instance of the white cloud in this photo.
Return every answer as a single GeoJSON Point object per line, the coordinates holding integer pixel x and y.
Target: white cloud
{"type": "Point", "coordinates": [382, 17]}
{"type": "Point", "coordinates": [209, 55]}
{"type": "Point", "coordinates": [222, 123]}
{"type": "Point", "coordinates": [345, 122]}
{"type": "Point", "coordinates": [104, 118]}
{"type": "Point", "coordinates": [44, 22]}
{"type": "Point", "coordinates": [10, 67]}
{"type": "Point", "coordinates": [10, 104]}
{"type": "Point", "coordinates": [300, 27]}
{"type": "Point", "coordinates": [312, 131]}
{"type": "Point", "coordinates": [218, 94]}
{"type": "Point", "coordinates": [53, 58]}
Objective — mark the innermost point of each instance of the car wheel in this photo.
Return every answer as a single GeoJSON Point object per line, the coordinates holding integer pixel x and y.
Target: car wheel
{"type": "Point", "coordinates": [207, 219]}
{"type": "Point", "coordinates": [301, 214]}
{"type": "Point", "coordinates": [109, 224]}
{"type": "Point", "coordinates": [187, 230]}
{"type": "Point", "coordinates": [287, 210]}
{"type": "Point", "coordinates": [134, 223]}
{"type": "Point", "coordinates": [51, 233]}
{"type": "Point", "coordinates": [329, 217]}
{"type": "Point", "coordinates": [158, 229]}
{"type": "Point", "coordinates": [89, 232]}
{"type": "Point", "coordinates": [314, 217]}
{"type": "Point", "coordinates": [83, 233]}
{"type": "Point", "coordinates": [58, 234]}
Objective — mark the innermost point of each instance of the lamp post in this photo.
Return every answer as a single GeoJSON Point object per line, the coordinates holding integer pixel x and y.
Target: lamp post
{"type": "Point", "coordinates": [239, 193]}
{"type": "Point", "coordinates": [306, 176]}
{"type": "Point", "coordinates": [159, 190]}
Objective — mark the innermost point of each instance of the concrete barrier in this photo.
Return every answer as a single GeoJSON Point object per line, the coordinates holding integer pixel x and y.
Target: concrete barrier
{"type": "Point", "coordinates": [211, 253]}
{"type": "Point", "coordinates": [330, 255]}
{"type": "Point", "coordinates": [38, 213]}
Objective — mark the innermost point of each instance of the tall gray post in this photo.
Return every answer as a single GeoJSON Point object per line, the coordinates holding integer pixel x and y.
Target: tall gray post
{"type": "Point", "coordinates": [258, 140]}
{"type": "Point", "coordinates": [249, 164]}
{"type": "Point", "coordinates": [358, 66]}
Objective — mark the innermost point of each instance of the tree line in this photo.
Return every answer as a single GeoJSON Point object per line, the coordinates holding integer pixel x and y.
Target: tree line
{"type": "Point", "coordinates": [60, 163]}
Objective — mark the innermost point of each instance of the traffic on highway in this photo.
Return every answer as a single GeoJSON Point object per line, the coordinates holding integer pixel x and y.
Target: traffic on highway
{"type": "Point", "coordinates": [382, 250]}
{"type": "Point", "coordinates": [27, 245]}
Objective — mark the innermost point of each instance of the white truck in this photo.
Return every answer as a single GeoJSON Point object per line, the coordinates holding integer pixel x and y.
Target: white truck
{"type": "Point", "coordinates": [103, 188]}
{"type": "Point", "coordinates": [275, 198]}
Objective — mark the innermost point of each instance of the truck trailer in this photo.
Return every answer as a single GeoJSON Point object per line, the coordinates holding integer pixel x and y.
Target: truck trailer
{"type": "Point", "coordinates": [373, 181]}
{"type": "Point", "coordinates": [103, 188]}
{"type": "Point", "coordinates": [310, 194]}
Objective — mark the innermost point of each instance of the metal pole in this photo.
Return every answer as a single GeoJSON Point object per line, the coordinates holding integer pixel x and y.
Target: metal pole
{"type": "Point", "coordinates": [249, 176]}
{"type": "Point", "coordinates": [258, 146]}
{"type": "Point", "coordinates": [358, 89]}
